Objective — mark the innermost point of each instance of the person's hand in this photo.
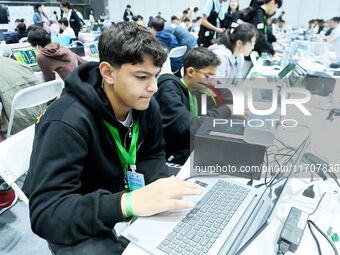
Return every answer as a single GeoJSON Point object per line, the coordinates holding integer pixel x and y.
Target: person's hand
{"type": "Point", "coordinates": [220, 30]}
{"type": "Point", "coordinates": [160, 196]}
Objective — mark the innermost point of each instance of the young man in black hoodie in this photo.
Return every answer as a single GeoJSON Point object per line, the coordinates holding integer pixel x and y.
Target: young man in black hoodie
{"type": "Point", "coordinates": [93, 143]}
{"type": "Point", "coordinates": [178, 107]}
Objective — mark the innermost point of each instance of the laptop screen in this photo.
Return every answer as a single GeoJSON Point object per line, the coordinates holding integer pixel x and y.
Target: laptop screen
{"type": "Point", "coordinates": [91, 50]}
{"type": "Point", "coordinates": [272, 194]}
{"type": "Point", "coordinates": [25, 56]}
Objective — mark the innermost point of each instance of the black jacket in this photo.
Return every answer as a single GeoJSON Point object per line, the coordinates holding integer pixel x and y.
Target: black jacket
{"type": "Point", "coordinates": [179, 126]}
{"type": "Point", "coordinates": [75, 22]}
{"type": "Point", "coordinates": [258, 20]}
{"type": "Point", "coordinates": [75, 178]}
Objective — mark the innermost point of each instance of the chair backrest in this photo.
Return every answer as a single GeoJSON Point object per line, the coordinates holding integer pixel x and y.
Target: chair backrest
{"type": "Point", "coordinates": [178, 52]}
{"type": "Point", "coordinates": [15, 153]}
{"type": "Point", "coordinates": [33, 96]}
{"type": "Point", "coordinates": [166, 68]}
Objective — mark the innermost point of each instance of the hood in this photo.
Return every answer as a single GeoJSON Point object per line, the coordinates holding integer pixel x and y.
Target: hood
{"type": "Point", "coordinates": [85, 83]}
{"type": "Point", "coordinates": [220, 49]}
{"type": "Point", "coordinates": [54, 50]}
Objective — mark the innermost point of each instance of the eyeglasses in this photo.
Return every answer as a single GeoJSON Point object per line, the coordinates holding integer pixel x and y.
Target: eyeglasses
{"type": "Point", "coordinates": [206, 75]}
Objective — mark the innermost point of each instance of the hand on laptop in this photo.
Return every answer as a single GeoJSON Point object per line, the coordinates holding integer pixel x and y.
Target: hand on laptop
{"type": "Point", "coordinates": [162, 195]}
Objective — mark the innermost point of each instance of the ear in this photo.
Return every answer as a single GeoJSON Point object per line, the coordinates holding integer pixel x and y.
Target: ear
{"type": "Point", "coordinates": [239, 43]}
{"type": "Point", "coordinates": [107, 72]}
{"type": "Point", "coordinates": [190, 71]}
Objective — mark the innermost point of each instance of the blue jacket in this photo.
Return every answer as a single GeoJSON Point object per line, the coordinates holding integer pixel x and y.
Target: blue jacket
{"type": "Point", "coordinates": [184, 37]}
{"type": "Point", "coordinates": [167, 39]}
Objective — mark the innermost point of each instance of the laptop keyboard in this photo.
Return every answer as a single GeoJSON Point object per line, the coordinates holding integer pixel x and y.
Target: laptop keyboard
{"type": "Point", "coordinates": [200, 228]}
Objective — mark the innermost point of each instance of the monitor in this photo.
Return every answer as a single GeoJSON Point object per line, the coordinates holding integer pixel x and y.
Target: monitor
{"type": "Point", "coordinates": [25, 56]}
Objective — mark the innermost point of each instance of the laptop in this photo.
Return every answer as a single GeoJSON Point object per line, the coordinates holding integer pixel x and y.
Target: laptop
{"type": "Point", "coordinates": [91, 50]}
{"type": "Point", "coordinates": [25, 56]}
{"type": "Point", "coordinates": [227, 217]}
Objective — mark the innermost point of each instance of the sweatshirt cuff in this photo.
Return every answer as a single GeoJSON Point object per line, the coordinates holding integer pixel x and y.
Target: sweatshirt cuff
{"type": "Point", "coordinates": [110, 209]}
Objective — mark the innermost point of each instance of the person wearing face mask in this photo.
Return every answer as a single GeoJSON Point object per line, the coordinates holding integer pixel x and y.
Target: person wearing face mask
{"type": "Point", "coordinates": [231, 48]}
{"type": "Point", "coordinates": [259, 19]}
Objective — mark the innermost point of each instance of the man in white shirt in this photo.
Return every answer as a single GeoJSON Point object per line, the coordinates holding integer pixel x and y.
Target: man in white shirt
{"type": "Point", "coordinates": [334, 38]}
{"type": "Point", "coordinates": [67, 31]}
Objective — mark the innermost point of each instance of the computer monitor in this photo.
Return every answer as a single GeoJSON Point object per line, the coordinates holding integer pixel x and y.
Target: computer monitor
{"type": "Point", "coordinates": [25, 56]}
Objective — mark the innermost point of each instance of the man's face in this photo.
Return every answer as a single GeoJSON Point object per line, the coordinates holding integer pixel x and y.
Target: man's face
{"type": "Point", "coordinates": [134, 85]}
{"type": "Point", "coordinates": [204, 73]}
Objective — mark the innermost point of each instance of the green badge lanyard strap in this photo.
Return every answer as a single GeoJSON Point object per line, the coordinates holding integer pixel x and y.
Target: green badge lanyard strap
{"type": "Point", "coordinates": [124, 156]}
{"type": "Point", "coordinates": [192, 101]}
{"type": "Point", "coordinates": [265, 28]}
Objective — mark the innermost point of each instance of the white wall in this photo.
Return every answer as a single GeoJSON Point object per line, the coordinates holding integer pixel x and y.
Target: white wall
{"type": "Point", "coordinates": [298, 12]}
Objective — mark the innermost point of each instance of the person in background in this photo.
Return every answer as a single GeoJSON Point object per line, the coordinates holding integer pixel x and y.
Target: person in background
{"type": "Point", "coordinates": [186, 23]}
{"type": "Point", "coordinates": [231, 48]}
{"type": "Point", "coordinates": [91, 18]}
{"type": "Point", "coordinates": [20, 33]}
{"type": "Point", "coordinates": [52, 57]}
{"type": "Point", "coordinates": [178, 107]}
{"type": "Point", "coordinates": [262, 12]}
{"type": "Point", "coordinates": [167, 39]}
{"type": "Point", "coordinates": [193, 14]}
{"type": "Point", "coordinates": [75, 148]}
{"type": "Point", "coordinates": [183, 37]}
{"type": "Point", "coordinates": [67, 31]}
{"type": "Point", "coordinates": [55, 28]}
{"type": "Point", "coordinates": [233, 7]}
{"type": "Point", "coordinates": [185, 14]}
{"type": "Point", "coordinates": [213, 14]}
{"type": "Point", "coordinates": [128, 14]}
{"type": "Point", "coordinates": [54, 17]}
{"type": "Point", "coordinates": [40, 18]}
{"type": "Point", "coordinates": [71, 16]}
{"type": "Point", "coordinates": [281, 17]}
{"type": "Point", "coordinates": [334, 37]}
{"type": "Point", "coordinates": [138, 20]}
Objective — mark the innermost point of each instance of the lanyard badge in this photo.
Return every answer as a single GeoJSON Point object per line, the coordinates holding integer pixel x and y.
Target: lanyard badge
{"type": "Point", "coordinates": [132, 179]}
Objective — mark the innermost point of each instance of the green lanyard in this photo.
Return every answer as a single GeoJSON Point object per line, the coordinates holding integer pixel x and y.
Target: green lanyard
{"type": "Point", "coordinates": [192, 101]}
{"type": "Point", "coordinates": [265, 28]}
{"type": "Point", "coordinates": [124, 156]}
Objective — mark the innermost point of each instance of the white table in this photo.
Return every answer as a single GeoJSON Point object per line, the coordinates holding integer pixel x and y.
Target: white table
{"type": "Point", "coordinates": [328, 146]}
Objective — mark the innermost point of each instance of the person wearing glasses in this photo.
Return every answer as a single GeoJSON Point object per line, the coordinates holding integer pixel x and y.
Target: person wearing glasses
{"type": "Point", "coordinates": [231, 48]}
{"type": "Point", "coordinates": [178, 103]}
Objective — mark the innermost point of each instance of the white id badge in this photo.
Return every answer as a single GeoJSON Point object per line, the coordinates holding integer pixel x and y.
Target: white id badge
{"type": "Point", "coordinates": [207, 33]}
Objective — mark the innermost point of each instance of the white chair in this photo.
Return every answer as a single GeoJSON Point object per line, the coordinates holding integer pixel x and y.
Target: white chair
{"type": "Point", "coordinates": [23, 40]}
{"type": "Point", "coordinates": [166, 68]}
{"type": "Point", "coordinates": [178, 52]}
{"type": "Point", "coordinates": [15, 153]}
{"type": "Point", "coordinates": [33, 96]}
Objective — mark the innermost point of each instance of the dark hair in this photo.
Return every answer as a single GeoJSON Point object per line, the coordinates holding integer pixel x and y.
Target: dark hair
{"type": "Point", "coordinates": [238, 7]}
{"type": "Point", "coordinates": [186, 19]}
{"type": "Point", "coordinates": [185, 12]}
{"type": "Point", "coordinates": [66, 4]}
{"type": "Point", "coordinates": [63, 21]}
{"type": "Point", "coordinates": [157, 24]}
{"type": "Point", "coordinates": [174, 18]}
{"type": "Point", "coordinates": [37, 6]}
{"type": "Point", "coordinates": [18, 20]}
{"type": "Point", "coordinates": [336, 19]}
{"type": "Point", "coordinates": [244, 32]}
{"type": "Point", "coordinates": [32, 27]}
{"type": "Point", "coordinates": [21, 27]}
{"type": "Point", "coordinates": [128, 6]}
{"type": "Point", "coordinates": [126, 42]}
{"type": "Point", "coordinates": [255, 3]}
{"type": "Point", "coordinates": [200, 58]}
{"type": "Point", "coordinates": [196, 9]}
{"type": "Point", "coordinates": [38, 37]}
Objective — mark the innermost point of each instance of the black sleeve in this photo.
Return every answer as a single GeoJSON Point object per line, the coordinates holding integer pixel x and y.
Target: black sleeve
{"type": "Point", "coordinates": [262, 44]}
{"type": "Point", "coordinates": [151, 157]}
{"type": "Point", "coordinates": [58, 212]}
{"type": "Point", "coordinates": [125, 16]}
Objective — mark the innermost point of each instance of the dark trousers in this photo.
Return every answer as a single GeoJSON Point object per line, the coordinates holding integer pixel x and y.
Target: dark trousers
{"type": "Point", "coordinates": [92, 246]}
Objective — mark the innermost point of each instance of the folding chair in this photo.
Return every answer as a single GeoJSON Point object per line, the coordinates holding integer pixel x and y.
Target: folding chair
{"type": "Point", "coordinates": [15, 153]}
{"type": "Point", "coordinates": [176, 54]}
{"type": "Point", "coordinates": [33, 96]}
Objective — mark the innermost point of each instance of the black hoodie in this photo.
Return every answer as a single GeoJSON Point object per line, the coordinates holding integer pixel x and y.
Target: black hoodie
{"type": "Point", "coordinates": [179, 126]}
{"type": "Point", "coordinates": [75, 180]}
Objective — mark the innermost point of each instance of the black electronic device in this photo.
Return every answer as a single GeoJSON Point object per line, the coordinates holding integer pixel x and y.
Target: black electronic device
{"type": "Point", "coordinates": [222, 147]}
{"type": "Point", "coordinates": [319, 83]}
{"type": "Point", "coordinates": [292, 230]}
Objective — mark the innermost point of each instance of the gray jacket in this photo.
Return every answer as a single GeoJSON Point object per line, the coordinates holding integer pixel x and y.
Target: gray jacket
{"type": "Point", "coordinates": [13, 78]}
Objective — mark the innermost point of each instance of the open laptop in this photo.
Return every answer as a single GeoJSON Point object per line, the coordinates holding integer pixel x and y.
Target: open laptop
{"type": "Point", "coordinates": [225, 220]}
{"type": "Point", "coordinates": [25, 56]}
{"type": "Point", "coordinates": [91, 50]}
